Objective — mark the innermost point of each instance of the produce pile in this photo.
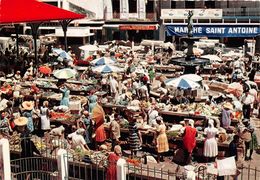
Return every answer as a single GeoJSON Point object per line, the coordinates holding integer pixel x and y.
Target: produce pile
{"type": "Point", "coordinates": [15, 143]}
{"type": "Point", "coordinates": [60, 115]}
{"type": "Point", "coordinates": [194, 108]}
{"type": "Point", "coordinates": [135, 162]}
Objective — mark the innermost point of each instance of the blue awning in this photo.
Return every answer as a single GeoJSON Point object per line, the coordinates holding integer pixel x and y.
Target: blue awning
{"type": "Point", "coordinates": [214, 30]}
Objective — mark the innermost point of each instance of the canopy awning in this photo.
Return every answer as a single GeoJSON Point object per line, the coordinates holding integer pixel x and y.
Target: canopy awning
{"type": "Point", "coordinates": [17, 11]}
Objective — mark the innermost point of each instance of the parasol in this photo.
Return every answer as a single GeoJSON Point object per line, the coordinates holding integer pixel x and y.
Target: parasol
{"type": "Point", "coordinates": [98, 114]}
{"type": "Point", "coordinates": [212, 58]}
{"type": "Point", "coordinates": [192, 77]}
{"type": "Point", "coordinates": [182, 83]}
{"type": "Point", "coordinates": [63, 54]}
{"type": "Point", "coordinates": [45, 70]}
{"type": "Point", "coordinates": [103, 61]}
{"type": "Point", "coordinates": [107, 69]}
{"type": "Point", "coordinates": [66, 73]}
{"type": "Point", "coordinates": [89, 47]}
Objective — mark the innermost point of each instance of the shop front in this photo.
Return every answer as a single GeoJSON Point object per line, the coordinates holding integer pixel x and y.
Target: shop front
{"type": "Point", "coordinates": [131, 32]}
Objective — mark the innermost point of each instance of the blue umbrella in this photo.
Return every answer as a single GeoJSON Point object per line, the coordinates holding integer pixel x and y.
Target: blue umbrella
{"type": "Point", "coordinates": [181, 83]}
{"type": "Point", "coordinates": [63, 54]}
{"type": "Point", "coordinates": [107, 69]}
{"type": "Point", "coordinates": [103, 61]}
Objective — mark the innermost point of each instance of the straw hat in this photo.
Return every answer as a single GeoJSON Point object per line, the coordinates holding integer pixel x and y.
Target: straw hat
{"type": "Point", "coordinates": [28, 105]}
{"type": "Point", "coordinates": [129, 95]}
{"type": "Point", "coordinates": [228, 105]}
{"type": "Point", "coordinates": [21, 121]}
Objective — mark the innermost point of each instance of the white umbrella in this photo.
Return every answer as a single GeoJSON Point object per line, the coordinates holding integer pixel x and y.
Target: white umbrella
{"type": "Point", "coordinates": [192, 77]}
{"type": "Point", "coordinates": [182, 83]}
{"type": "Point", "coordinates": [212, 58]}
{"type": "Point", "coordinates": [89, 47]}
{"type": "Point", "coordinates": [107, 69]}
{"type": "Point", "coordinates": [103, 61]}
{"type": "Point", "coordinates": [66, 73]}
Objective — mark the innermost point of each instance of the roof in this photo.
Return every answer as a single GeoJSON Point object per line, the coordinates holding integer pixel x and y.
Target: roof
{"type": "Point", "coordinates": [17, 11]}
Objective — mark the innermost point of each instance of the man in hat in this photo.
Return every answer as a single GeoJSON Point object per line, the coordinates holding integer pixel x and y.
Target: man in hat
{"type": "Point", "coordinates": [189, 139]}
{"type": "Point", "coordinates": [251, 143]}
{"type": "Point", "coordinates": [27, 146]}
{"type": "Point", "coordinates": [247, 101]}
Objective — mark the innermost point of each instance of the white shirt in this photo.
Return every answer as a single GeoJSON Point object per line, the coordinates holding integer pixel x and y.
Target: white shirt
{"type": "Point", "coordinates": [152, 114]}
{"type": "Point", "coordinates": [113, 85]}
{"type": "Point", "coordinates": [248, 99]}
{"type": "Point", "coordinates": [144, 91]}
{"type": "Point", "coordinates": [77, 139]}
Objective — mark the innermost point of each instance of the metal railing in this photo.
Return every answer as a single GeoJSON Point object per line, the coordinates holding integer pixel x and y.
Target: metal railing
{"type": "Point", "coordinates": [92, 167]}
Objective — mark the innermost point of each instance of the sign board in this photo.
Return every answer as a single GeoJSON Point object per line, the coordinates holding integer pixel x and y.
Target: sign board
{"type": "Point", "coordinates": [197, 13]}
{"type": "Point", "coordinates": [214, 30]}
{"type": "Point", "coordinates": [137, 27]}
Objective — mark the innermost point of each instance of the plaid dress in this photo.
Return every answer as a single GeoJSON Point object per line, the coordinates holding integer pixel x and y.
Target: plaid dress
{"type": "Point", "coordinates": [162, 140]}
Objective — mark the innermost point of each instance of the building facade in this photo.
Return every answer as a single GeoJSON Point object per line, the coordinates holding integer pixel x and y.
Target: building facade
{"type": "Point", "coordinates": [135, 20]}
{"type": "Point", "coordinates": [232, 21]}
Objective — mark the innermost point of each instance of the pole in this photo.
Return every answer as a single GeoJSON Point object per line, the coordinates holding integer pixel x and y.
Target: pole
{"type": "Point", "coordinates": [5, 170]}
{"type": "Point", "coordinates": [65, 40]}
{"type": "Point", "coordinates": [35, 28]}
{"type": "Point", "coordinates": [17, 40]}
{"type": "Point", "coordinates": [62, 160]}
{"type": "Point", "coordinates": [64, 24]}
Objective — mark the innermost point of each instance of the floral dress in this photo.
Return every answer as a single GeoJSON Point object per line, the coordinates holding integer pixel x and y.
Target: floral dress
{"type": "Point", "coordinates": [28, 115]}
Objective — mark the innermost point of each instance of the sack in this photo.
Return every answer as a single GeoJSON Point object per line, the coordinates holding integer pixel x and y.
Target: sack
{"type": "Point", "coordinates": [246, 136]}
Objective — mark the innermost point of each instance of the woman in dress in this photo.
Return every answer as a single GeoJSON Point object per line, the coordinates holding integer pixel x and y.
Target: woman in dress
{"type": "Point", "coordinates": [161, 140]}
{"type": "Point", "coordinates": [210, 144]}
{"type": "Point", "coordinates": [112, 161]}
{"type": "Point", "coordinates": [189, 140]}
{"type": "Point", "coordinates": [226, 115]}
{"type": "Point", "coordinates": [65, 96]}
{"type": "Point", "coordinates": [92, 102]}
{"type": "Point", "coordinates": [27, 109]}
{"type": "Point", "coordinates": [98, 115]}
{"type": "Point", "coordinates": [45, 120]}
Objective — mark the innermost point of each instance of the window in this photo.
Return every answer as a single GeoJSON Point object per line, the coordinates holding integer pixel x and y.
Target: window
{"type": "Point", "coordinates": [209, 4]}
{"type": "Point", "coordinates": [173, 4]}
{"type": "Point", "coordinates": [150, 6]}
{"type": "Point", "coordinates": [116, 6]}
{"type": "Point", "coordinates": [189, 4]}
{"type": "Point", "coordinates": [132, 6]}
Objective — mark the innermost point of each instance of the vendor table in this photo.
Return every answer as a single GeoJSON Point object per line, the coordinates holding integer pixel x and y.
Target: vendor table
{"type": "Point", "coordinates": [169, 116]}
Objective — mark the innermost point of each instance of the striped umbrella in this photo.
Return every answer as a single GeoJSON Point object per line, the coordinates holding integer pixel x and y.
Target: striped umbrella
{"type": "Point", "coordinates": [182, 83]}
{"type": "Point", "coordinates": [107, 69]}
{"type": "Point", "coordinates": [191, 77]}
{"type": "Point", "coordinates": [63, 54]}
{"type": "Point", "coordinates": [103, 61]}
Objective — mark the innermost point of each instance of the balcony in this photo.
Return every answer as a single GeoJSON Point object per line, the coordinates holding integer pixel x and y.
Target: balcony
{"type": "Point", "coordinates": [242, 13]}
{"type": "Point", "coordinates": [133, 17]}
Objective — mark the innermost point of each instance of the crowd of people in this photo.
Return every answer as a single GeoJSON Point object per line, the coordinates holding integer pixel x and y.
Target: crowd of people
{"type": "Point", "coordinates": [132, 90]}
